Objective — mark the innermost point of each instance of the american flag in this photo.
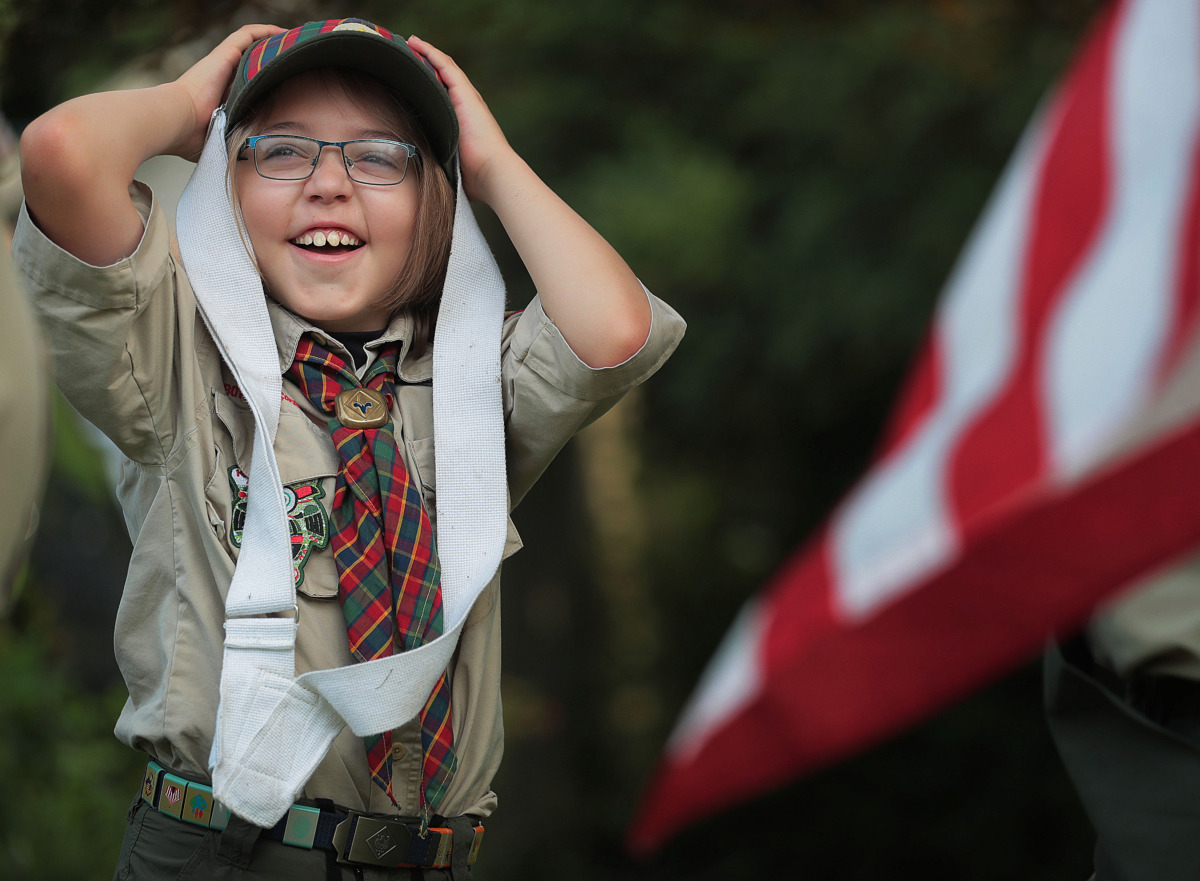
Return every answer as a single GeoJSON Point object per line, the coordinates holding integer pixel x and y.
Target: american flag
{"type": "Point", "coordinates": [1045, 454]}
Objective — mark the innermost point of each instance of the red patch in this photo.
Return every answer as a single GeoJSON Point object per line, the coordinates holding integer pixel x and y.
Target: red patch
{"type": "Point", "coordinates": [233, 391]}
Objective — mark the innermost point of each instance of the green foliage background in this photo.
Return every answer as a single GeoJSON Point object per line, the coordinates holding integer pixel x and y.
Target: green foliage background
{"type": "Point", "coordinates": [797, 179]}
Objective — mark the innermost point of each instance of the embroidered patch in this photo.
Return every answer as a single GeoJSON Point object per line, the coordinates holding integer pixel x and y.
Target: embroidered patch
{"type": "Point", "coordinates": [306, 515]}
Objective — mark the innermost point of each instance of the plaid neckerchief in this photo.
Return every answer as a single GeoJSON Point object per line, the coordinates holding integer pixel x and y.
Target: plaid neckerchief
{"type": "Point", "coordinates": [388, 571]}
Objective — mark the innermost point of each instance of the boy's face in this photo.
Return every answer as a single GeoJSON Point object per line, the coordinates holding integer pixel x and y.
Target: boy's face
{"type": "Point", "coordinates": [339, 288]}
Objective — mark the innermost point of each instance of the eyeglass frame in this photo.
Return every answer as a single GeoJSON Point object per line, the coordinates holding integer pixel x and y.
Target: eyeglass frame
{"type": "Point", "coordinates": [412, 151]}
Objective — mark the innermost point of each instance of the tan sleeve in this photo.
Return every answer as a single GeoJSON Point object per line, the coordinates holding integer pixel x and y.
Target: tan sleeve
{"type": "Point", "coordinates": [25, 429]}
{"type": "Point", "coordinates": [549, 394]}
{"type": "Point", "coordinates": [1154, 627]}
{"type": "Point", "coordinates": [113, 332]}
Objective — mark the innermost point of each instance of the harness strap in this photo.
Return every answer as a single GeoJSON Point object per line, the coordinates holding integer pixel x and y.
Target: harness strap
{"type": "Point", "coordinates": [273, 727]}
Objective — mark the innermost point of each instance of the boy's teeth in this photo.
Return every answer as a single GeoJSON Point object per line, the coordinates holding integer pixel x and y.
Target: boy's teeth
{"type": "Point", "coordinates": [332, 238]}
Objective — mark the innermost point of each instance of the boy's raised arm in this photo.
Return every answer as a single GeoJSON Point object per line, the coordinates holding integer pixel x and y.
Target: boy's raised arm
{"type": "Point", "coordinates": [79, 158]}
{"type": "Point", "coordinates": [586, 288]}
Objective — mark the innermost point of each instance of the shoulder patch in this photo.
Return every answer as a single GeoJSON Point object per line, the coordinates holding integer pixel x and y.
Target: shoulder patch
{"type": "Point", "coordinates": [308, 519]}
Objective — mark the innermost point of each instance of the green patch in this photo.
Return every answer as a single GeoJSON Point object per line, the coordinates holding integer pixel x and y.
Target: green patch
{"type": "Point", "coordinates": [307, 517]}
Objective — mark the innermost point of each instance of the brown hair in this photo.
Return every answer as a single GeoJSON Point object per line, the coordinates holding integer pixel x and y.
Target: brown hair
{"type": "Point", "coordinates": [418, 288]}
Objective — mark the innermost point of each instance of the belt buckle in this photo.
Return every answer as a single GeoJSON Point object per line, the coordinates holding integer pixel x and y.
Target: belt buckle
{"type": "Point", "coordinates": [374, 841]}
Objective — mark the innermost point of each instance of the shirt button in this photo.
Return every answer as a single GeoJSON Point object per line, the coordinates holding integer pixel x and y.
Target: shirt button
{"type": "Point", "coordinates": [397, 752]}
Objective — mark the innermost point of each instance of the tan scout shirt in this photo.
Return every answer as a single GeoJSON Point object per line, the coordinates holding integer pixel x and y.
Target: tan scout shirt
{"type": "Point", "coordinates": [135, 359]}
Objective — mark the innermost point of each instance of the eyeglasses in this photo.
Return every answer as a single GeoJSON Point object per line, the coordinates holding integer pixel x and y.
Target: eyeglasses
{"type": "Point", "coordinates": [294, 157]}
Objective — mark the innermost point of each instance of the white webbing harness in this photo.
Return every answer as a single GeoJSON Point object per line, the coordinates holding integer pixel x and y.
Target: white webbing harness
{"type": "Point", "coordinates": [274, 727]}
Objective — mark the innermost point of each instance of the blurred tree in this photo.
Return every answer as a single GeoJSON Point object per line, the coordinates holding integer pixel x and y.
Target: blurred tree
{"type": "Point", "coordinates": [67, 781]}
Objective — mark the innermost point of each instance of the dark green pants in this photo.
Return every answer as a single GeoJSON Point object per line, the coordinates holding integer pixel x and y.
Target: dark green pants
{"type": "Point", "coordinates": [158, 847]}
{"type": "Point", "coordinates": [1133, 753]}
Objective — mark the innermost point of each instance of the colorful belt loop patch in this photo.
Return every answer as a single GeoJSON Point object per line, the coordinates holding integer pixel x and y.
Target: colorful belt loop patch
{"type": "Point", "coordinates": [197, 804]}
{"type": "Point", "coordinates": [301, 828]}
{"type": "Point", "coordinates": [150, 781]}
{"type": "Point", "coordinates": [171, 800]}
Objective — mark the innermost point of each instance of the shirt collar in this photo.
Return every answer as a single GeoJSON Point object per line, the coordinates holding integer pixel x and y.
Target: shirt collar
{"type": "Point", "coordinates": [288, 327]}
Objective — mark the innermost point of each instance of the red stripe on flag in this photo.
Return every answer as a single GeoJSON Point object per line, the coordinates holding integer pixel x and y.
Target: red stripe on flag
{"type": "Point", "coordinates": [809, 612]}
{"type": "Point", "coordinates": [838, 690]}
{"type": "Point", "coordinates": [1187, 284]}
{"type": "Point", "coordinates": [731, 763]}
{"type": "Point", "coordinates": [1003, 451]}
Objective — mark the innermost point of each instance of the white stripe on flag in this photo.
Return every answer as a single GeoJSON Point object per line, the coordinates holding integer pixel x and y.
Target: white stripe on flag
{"type": "Point", "coordinates": [1105, 342]}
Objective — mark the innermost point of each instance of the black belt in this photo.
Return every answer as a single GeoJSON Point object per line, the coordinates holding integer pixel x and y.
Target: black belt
{"type": "Point", "coordinates": [367, 839]}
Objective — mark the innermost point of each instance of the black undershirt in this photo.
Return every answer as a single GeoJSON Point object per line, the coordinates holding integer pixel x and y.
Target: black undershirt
{"type": "Point", "coordinates": [355, 342]}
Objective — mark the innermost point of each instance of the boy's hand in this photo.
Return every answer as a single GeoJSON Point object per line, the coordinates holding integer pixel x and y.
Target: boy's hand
{"type": "Point", "coordinates": [482, 147]}
{"type": "Point", "coordinates": [593, 298]}
{"type": "Point", "coordinates": [78, 159]}
{"type": "Point", "coordinates": [206, 82]}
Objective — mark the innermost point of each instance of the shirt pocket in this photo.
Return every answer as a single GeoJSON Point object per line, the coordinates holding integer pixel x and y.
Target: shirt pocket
{"type": "Point", "coordinates": [308, 466]}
